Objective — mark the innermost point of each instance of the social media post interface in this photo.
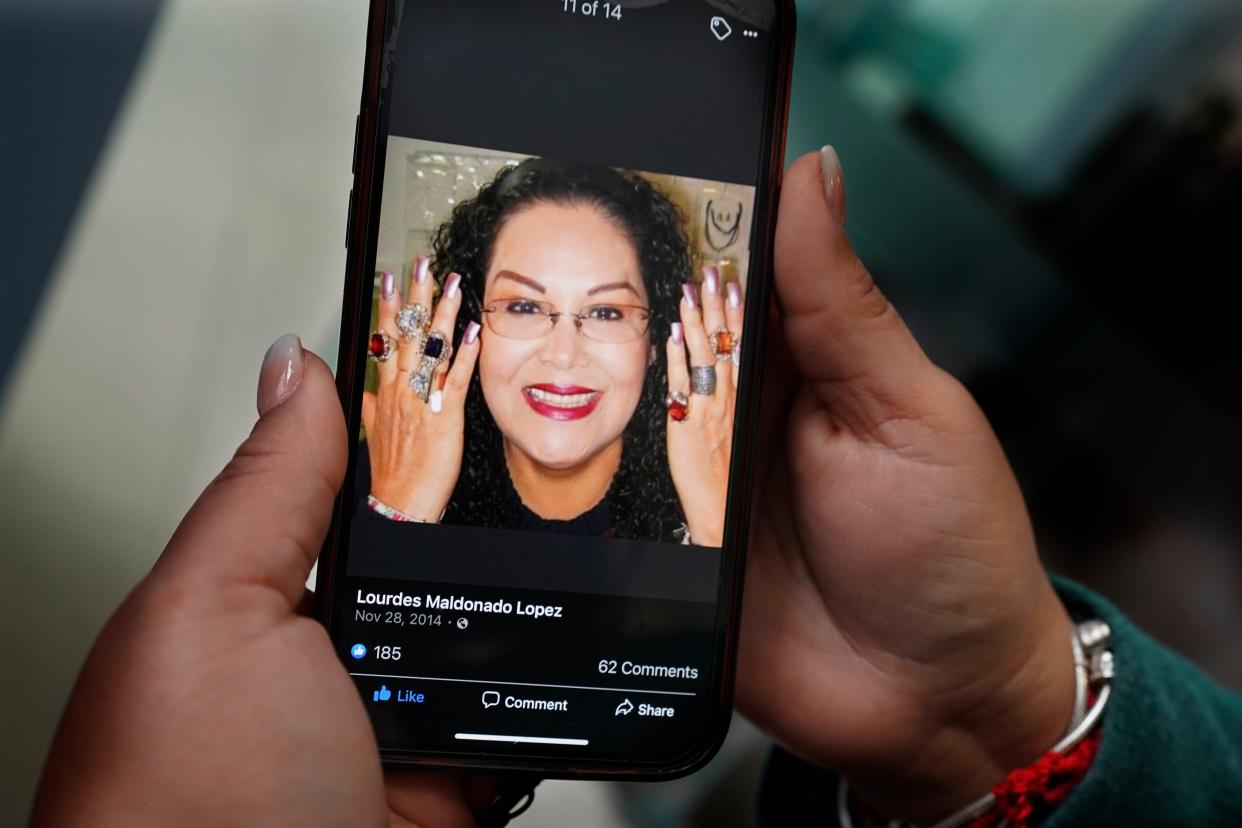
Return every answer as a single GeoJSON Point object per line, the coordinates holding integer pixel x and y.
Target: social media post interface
{"type": "Point", "coordinates": [479, 669]}
{"type": "Point", "coordinates": [490, 623]}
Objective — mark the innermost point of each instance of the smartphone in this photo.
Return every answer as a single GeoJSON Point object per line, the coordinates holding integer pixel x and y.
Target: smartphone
{"type": "Point", "coordinates": [559, 253]}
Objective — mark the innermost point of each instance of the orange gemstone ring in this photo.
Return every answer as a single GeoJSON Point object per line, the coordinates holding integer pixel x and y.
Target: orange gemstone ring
{"type": "Point", "coordinates": [722, 341]}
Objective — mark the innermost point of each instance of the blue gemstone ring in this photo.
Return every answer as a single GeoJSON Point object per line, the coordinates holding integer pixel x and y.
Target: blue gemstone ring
{"type": "Point", "coordinates": [437, 348]}
{"type": "Point", "coordinates": [436, 352]}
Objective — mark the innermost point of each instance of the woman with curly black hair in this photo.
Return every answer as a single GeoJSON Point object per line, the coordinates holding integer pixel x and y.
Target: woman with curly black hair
{"type": "Point", "coordinates": [602, 403]}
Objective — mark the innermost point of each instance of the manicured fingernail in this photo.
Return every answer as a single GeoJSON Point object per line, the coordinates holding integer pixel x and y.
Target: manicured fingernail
{"type": "Point", "coordinates": [388, 285]}
{"type": "Point", "coordinates": [735, 295]}
{"type": "Point", "coordinates": [451, 285]}
{"type": "Point", "coordinates": [678, 336]}
{"type": "Point", "coordinates": [421, 265]}
{"type": "Point", "coordinates": [281, 373]}
{"type": "Point", "coordinates": [834, 183]}
{"type": "Point", "coordinates": [711, 280]}
{"type": "Point", "coordinates": [692, 298]}
{"type": "Point", "coordinates": [472, 333]}
{"type": "Point", "coordinates": [436, 401]}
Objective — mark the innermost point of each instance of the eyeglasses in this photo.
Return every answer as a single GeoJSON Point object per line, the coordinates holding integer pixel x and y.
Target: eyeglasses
{"type": "Point", "coordinates": [518, 318]}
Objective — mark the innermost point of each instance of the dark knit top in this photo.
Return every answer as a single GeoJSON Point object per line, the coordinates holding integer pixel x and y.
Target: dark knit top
{"type": "Point", "coordinates": [596, 522]}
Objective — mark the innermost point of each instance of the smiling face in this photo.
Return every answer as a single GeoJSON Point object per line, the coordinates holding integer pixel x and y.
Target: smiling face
{"type": "Point", "coordinates": [561, 398]}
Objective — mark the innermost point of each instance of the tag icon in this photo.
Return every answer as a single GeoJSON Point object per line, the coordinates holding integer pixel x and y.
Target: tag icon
{"type": "Point", "coordinates": [721, 28]}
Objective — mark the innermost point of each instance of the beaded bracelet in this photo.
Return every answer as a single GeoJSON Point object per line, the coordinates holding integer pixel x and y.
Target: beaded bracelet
{"type": "Point", "coordinates": [384, 510]}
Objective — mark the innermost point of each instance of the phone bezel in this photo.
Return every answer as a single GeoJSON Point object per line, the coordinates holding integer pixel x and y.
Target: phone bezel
{"type": "Point", "coordinates": [362, 240]}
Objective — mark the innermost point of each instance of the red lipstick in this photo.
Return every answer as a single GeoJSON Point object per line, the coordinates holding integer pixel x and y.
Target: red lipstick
{"type": "Point", "coordinates": [561, 402]}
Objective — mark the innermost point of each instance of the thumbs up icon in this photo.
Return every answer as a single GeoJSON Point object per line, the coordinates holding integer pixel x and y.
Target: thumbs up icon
{"type": "Point", "coordinates": [382, 694]}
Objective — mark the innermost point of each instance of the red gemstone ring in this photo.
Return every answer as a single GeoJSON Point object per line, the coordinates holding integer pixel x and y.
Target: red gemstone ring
{"type": "Point", "coordinates": [678, 406]}
{"type": "Point", "coordinates": [379, 347]}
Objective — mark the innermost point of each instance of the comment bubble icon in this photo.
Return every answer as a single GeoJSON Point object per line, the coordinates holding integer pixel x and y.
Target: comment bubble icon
{"type": "Point", "coordinates": [490, 698]}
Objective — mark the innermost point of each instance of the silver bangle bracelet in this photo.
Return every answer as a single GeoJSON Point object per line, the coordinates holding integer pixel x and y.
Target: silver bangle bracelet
{"type": "Point", "coordinates": [1080, 680]}
{"type": "Point", "coordinates": [1093, 667]}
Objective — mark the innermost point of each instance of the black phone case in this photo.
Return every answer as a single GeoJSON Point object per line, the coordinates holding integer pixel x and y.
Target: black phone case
{"type": "Point", "coordinates": [361, 240]}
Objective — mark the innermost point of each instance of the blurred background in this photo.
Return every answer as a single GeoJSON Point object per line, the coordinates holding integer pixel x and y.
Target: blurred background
{"type": "Point", "coordinates": [1051, 191]}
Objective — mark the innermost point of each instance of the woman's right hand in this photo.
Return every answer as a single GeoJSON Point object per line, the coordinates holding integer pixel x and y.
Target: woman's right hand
{"type": "Point", "coordinates": [898, 625]}
{"type": "Point", "coordinates": [415, 449]}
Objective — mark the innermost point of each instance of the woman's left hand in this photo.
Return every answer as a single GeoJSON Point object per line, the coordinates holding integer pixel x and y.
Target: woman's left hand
{"type": "Point", "coordinates": [700, 444]}
{"type": "Point", "coordinates": [211, 697]}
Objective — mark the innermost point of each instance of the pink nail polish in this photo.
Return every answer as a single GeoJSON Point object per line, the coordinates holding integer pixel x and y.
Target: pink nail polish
{"type": "Point", "coordinates": [735, 295]}
{"type": "Point", "coordinates": [388, 285]}
{"type": "Point", "coordinates": [834, 185]}
{"type": "Point", "coordinates": [678, 336]}
{"type": "Point", "coordinates": [711, 280]}
{"type": "Point", "coordinates": [451, 285]}
{"type": "Point", "coordinates": [421, 265]}
{"type": "Point", "coordinates": [692, 297]}
{"type": "Point", "coordinates": [472, 333]}
{"type": "Point", "coordinates": [281, 373]}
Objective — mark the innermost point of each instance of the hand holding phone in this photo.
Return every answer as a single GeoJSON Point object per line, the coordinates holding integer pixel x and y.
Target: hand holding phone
{"type": "Point", "coordinates": [894, 576]}
{"type": "Point", "coordinates": [209, 693]}
{"type": "Point", "coordinates": [146, 736]}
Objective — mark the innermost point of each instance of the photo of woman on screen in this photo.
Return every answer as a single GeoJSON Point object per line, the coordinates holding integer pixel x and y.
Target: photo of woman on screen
{"type": "Point", "coordinates": [555, 368]}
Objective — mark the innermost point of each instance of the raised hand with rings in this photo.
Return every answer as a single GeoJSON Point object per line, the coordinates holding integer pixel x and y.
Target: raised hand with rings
{"type": "Point", "coordinates": [414, 420]}
{"type": "Point", "coordinates": [702, 380]}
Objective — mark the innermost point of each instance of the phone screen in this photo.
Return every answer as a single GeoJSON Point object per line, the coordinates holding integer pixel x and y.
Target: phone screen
{"type": "Point", "coordinates": [551, 376]}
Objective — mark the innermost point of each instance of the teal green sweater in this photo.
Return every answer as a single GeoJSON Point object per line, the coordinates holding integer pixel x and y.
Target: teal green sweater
{"type": "Point", "coordinates": [1170, 754]}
